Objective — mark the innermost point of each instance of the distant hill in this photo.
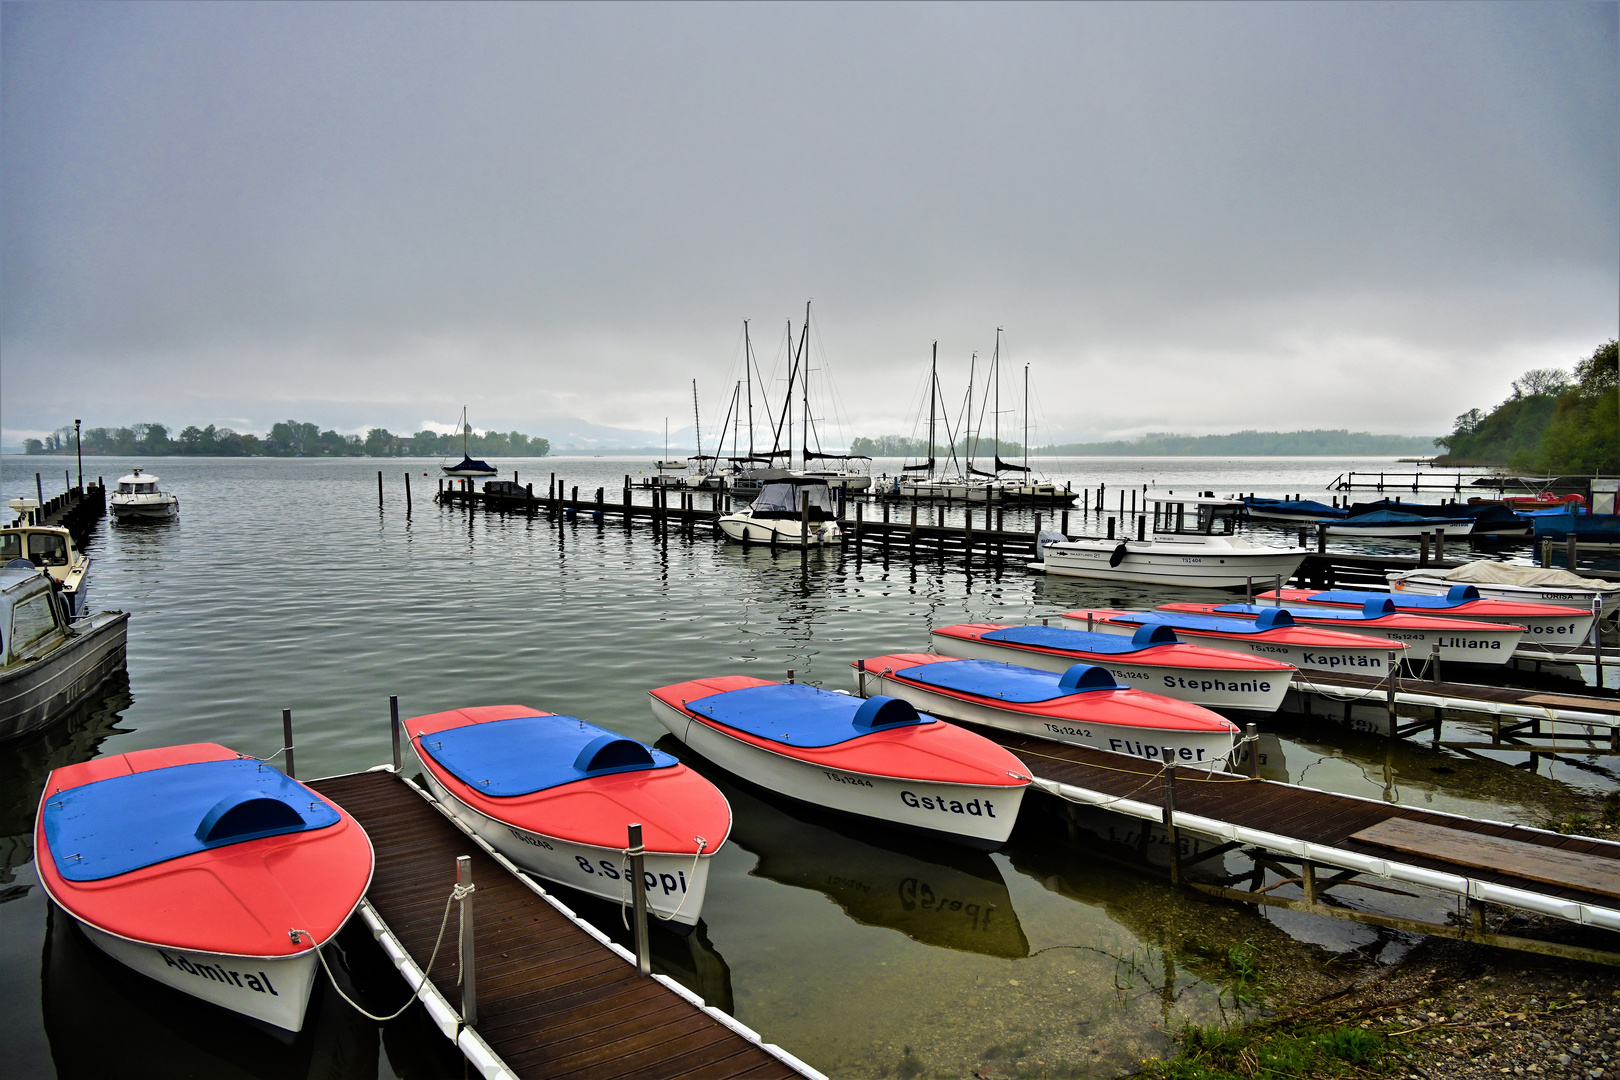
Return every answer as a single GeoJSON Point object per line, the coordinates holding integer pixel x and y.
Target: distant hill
{"type": "Point", "coordinates": [1253, 444]}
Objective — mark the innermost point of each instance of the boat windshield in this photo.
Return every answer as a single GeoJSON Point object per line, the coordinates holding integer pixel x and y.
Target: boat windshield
{"type": "Point", "coordinates": [10, 547]}
{"type": "Point", "coordinates": [47, 549]}
{"type": "Point", "coordinates": [1203, 518]}
{"type": "Point", "coordinates": [783, 499]}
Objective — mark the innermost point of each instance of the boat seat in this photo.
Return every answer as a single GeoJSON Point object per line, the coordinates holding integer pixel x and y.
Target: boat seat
{"type": "Point", "coordinates": [794, 714]}
{"type": "Point", "coordinates": [1009, 682]}
{"type": "Point", "coordinates": [1090, 641]}
{"type": "Point", "coordinates": [526, 754]}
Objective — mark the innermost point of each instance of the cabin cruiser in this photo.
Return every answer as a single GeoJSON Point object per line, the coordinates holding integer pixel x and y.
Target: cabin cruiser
{"type": "Point", "coordinates": [47, 661]}
{"type": "Point", "coordinates": [791, 510]}
{"type": "Point", "coordinates": [50, 547]}
{"type": "Point", "coordinates": [138, 497]}
{"type": "Point", "coordinates": [1192, 542]}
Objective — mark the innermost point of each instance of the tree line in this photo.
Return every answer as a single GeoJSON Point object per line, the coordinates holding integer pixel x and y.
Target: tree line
{"type": "Point", "coordinates": [1162, 444]}
{"type": "Point", "coordinates": [289, 438]}
{"type": "Point", "coordinates": [899, 446]}
{"type": "Point", "coordinates": [1554, 422]}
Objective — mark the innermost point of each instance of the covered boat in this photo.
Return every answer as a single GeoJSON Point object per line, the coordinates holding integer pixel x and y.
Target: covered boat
{"type": "Point", "coordinates": [1150, 659]}
{"type": "Point", "coordinates": [1393, 524]}
{"type": "Point", "coordinates": [1458, 641]}
{"type": "Point", "coordinates": [557, 795]}
{"type": "Point", "coordinates": [1588, 530]}
{"type": "Point", "coordinates": [1084, 706]}
{"type": "Point", "coordinates": [877, 758]}
{"type": "Point", "coordinates": [469, 466]}
{"type": "Point", "coordinates": [1299, 511]}
{"type": "Point", "coordinates": [1489, 518]}
{"type": "Point", "coordinates": [1510, 581]}
{"type": "Point", "coordinates": [791, 509]}
{"type": "Point", "coordinates": [1544, 624]}
{"type": "Point", "coordinates": [212, 873]}
{"type": "Point", "coordinates": [1273, 634]}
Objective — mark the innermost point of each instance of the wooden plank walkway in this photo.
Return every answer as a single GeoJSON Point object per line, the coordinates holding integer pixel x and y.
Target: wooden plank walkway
{"type": "Point", "coordinates": [553, 1001]}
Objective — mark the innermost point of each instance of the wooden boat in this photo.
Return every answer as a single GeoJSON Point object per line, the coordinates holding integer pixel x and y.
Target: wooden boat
{"type": "Point", "coordinates": [877, 758]}
{"type": "Point", "coordinates": [1084, 706]}
{"type": "Point", "coordinates": [138, 497]}
{"type": "Point", "coordinates": [1150, 659]}
{"type": "Point", "coordinates": [49, 661]}
{"type": "Point", "coordinates": [1272, 634]}
{"type": "Point", "coordinates": [211, 873]}
{"type": "Point", "coordinates": [1458, 641]}
{"type": "Point", "coordinates": [1544, 624]}
{"type": "Point", "coordinates": [557, 795]}
{"type": "Point", "coordinates": [51, 548]}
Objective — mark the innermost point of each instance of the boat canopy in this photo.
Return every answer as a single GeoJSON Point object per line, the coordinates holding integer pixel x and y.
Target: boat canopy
{"type": "Point", "coordinates": [1009, 682]}
{"type": "Point", "coordinates": [1301, 507]}
{"type": "Point", "coordinates": [526, 754]}
{"type": "Point", "coordinates": [1375, 608]}
{"type": "Point", "coordinates": [797, 715]}
{"type": "Point", "coordinates": [781, 498]}
{"type": "Point", "coordinates": [1269, 619]}
{"type": "Point", "coordinates": [1091, 641]}
{"type": "Point", "coordinates": [1209, 516]}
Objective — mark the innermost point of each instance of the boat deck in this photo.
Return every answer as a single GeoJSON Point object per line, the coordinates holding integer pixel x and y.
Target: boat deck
{"type": "Point", "coordinates": [554, 1000]}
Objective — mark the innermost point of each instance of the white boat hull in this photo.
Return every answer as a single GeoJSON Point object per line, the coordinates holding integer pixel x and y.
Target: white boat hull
{"type": "Point", "coordinates": [744, 528]}
{"type": "Point", "coordinates": [1260, 691]}
{"type": "Point", "coordinates": [1157, 562]}
{"type": "Point", "coordinates": [1530, 594]}
{"type": "Point", "coordinates": [273, 990]}
{"type": "Point", "coordinates": [139, 506]}
{"type": "Point", "coordinates": [1372, 660]}
{"type": "Point", "coordinates": [1546, 631]}
{"type": "Point", "coordinates": [1453, 528]}
{"type": "Point", "coordinates": [1194, 749]}
{"type": "Point", "coordinates": [1474, 646]}
{"type": "Point", "coordinates": [982, 816]}
{"type": "Point", "coordinates": [675, 884]}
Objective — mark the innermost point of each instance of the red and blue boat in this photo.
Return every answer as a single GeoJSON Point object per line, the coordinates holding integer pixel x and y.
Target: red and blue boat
{"type": "Point", "coordinates": [556, 795]}
{"type": "Point", "coordinates": [1083, 706]}
{"type": "Point", "coordinates": [1151, 659]}
{"type": "Point", "coordinates": [1544, 624]}
{"type": "Point", "coordinates": [875, 757]}
{"type": "Point", "coordinates": [209, 872]}
{"type": "Point", "coordinates": [1272, 634]}
{"type": "Point", "coordinates": [1457, 640]}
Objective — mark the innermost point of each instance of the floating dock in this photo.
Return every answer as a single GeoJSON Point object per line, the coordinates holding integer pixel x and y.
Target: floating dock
{"type": "Point", "coordinates": [554, 996]}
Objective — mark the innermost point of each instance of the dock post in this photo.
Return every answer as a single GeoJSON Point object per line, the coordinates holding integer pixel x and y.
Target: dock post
{"type": "Point", "coordinates": [1251, 733]}
{"type": "Point", "coordinates": [1307, 881]}
{"type": "Point", "coordinates": [1546, 554]}
{"type": "Point", "coordinates": [638, 887]}
{"type": "Point", "coordinates": [1141, 530]}
{"type": "Point", "coordinates": [1321, 540]}
{"type": "Point", "coordinates": [407, 493]}
{"type": "Point", "coordinates": [1440, 545]}
{"type": "Point", "coordinates": [1423, 549]}
{"type": "Point", "coordinates": [393, 723]}
{"type": "Point", "coordinates": [911, 541]}
{"type": "Point", "coordinates": [858, 509]}
{"type": "Point", "coordinates": [469, 966]}
{"type": "Point", "coordinates": [885, 516]}
{"type": "Point", "coordinates": [1169, 753]}
{"type": "Point", "coordinates": [1248, 590]}
{"type": "Point", "coordinates": [1110, 528]}
{"type": "Point", "coordinates": [1064, 528]}
{"type": "Point", "coordinates": [1389, 691]}
{"type": "Point", "coordinates": [1597, 645]}
{"type": "Point", "coordinates": [1035, 537]}
{"type": "Point", "coordinates": [1277, 592]}
{"type": "Point", "coordinates": [286, 740]}
{"type": "Point", "coordinates": [1569, 553]}
{"type": "Point", "coordinates": [1434, 664]}
{"type": "Point", "coordinates": [379, 489]}
{"type": "Point", "coordinates": [39, 490]}
{"type": "Point", "coordinates": [804, 525]}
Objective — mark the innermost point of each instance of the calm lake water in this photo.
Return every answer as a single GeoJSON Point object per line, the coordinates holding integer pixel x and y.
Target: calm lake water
{"type": "Point", "coordinates": [283, 585]}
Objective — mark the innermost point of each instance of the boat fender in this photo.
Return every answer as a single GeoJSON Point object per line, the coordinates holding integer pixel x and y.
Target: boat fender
{"type": "Point", "coordinates": [1118, 556]}
{"type": "Point", "coordinates": [1372, 609]}
{"type": "Point", "coordinates": [610, 753]}
{"type": "Point", "coordinates": [244, 815]}
{"type": "Point", "coordinates": [1458, 593]}
{"type": "Point", "coordinates": [882, 712]}
{"type": "Point", "coordinates": [1154, 634]}
{"type": "Point", "coordinates": [1275, 616]}
{"type": "Point", "coordinates": [1088, 677]}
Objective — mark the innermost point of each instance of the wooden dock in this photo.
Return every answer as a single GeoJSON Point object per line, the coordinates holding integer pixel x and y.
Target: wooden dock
{"type": "Point", "coordinates": [555, 997]}
{"type": "Point", "coordinates": [1293, 832]}
{"type": "Point", "coordinates": [76, 509]}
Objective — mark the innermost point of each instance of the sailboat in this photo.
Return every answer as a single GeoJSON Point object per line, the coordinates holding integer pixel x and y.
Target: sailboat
{"type": "Point", "coordinates": [665, 465]}
{"type": "Point", "coordinates": [934, 483]}
{"type": "Point", "coordinates": [469, 465]}
{"type": "Point", "coordinates": [1030, 492]}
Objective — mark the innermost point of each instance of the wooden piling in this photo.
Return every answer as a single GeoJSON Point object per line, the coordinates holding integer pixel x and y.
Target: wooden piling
{"type": "Point", "coordinates": [379, 489]}
{"type": "Point", "coordinates": [407, 492]}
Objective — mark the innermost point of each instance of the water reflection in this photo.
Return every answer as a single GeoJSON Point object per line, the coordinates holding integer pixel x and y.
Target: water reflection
{"type": "Point", "coordinates": [934, 893]}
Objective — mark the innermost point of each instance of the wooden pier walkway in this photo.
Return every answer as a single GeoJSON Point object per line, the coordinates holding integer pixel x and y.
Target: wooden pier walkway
{"type": "Point", "coordinates": [1293, 831]}
{"type": "Point", "coordinates": [76, 509]}
{"type": "Point", "coordinates": [556, 999]}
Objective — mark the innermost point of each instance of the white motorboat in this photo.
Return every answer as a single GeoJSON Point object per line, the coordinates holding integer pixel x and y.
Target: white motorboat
{"type": "Point", "coordinates": [1193, 542]}
{"type": "Point", "coordinates": [795, 510]}
{"type": "Point", "coordinates": [138, 496]}
{"type": "Point", "coordinates": [47, 660]}
{"type": "Point", "coordinates": [51, 548]}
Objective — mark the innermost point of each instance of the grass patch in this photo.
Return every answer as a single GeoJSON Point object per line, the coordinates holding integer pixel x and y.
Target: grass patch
{"type": "Point", "coordinates": [1216, 1053]}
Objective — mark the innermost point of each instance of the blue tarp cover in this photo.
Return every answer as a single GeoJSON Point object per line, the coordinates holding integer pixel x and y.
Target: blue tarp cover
{"type": "Point", "coordinates": [1303, 507]}
{"type": "Point", "coordinates": [1055, 637]}
{"type": "Point", "coordinates": [123, 823]}
{"type": "Point", "coordinates": [1455, 596]}
{"type": "Point", "coordinates": [789, 713]}
{"type": "Point", "coordinates": [1391, 517]}
{"type": "Point", "coordinates": [1378, 608]}
{"type": "Point", "coordinates": [530, 753]}
{"type": "Point", "coordinates": [1000, 682]}
{"type": "Point", "coordinates": [1179, 621]}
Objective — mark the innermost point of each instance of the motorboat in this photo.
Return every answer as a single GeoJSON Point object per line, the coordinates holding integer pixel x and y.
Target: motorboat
{"type": "Point", "coordinates": [1290, 511]}
{"type": "Point", "coordinates": [468, 466]}
{"type": "Point", "coordinates": [557, 795]}
{"type": "Point", "coordinates": [874, 757]}
{"type": "Point", "coordinates": [1393, 524]}
{"type": "Point", "coordinates": [1544, 624]}
{"type": "Point", "coordinates": [1510, 581]}
{"type": "Point", "coordinates": [49, 660]}
{"type": "Point", "coordinates": [1150, 659]}
{"type": "Point", "coordinates": [209, 872]}
{"type": "Point", "coordinates": [1457, 640]}
{"type": "Point", "coordinates": [796, 510]}
{"type": "Point", "coordinates": [1192, 542]}
{"type": "Point", "coordinates": [1083, 706]}
{"type": "Point", "coordinates": [1273, 634]}
{"type": "Point", "coordinates": [51, 548]}
{"type": "Point", "coordinates": [138, 497]}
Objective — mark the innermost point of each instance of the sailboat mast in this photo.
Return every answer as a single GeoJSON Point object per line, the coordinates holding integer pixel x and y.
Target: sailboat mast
{"type": "Point", "coordinates": [804, 388]}
{"type": "Point", "coordinates": [933, 391]}
{"type": "Point", "coordinates": [968, 435]}
{"type": "Point", "coordinates": [748, 372]}
{"type": "Point", "coordinates": [995, 363]}
{"type": "Point", "coordinates": [1026, 422]}
{"type": "Point", "coordinates": [697, 425]}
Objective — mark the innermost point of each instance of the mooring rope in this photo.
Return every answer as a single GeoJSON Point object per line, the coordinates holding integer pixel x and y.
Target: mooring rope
{"type": "Point", "coordinates": [457, 892]}
{"type": "Point", "coordinates": [625, 894]}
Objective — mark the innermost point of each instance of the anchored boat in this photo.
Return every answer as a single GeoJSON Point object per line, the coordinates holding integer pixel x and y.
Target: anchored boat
{"type": "Point", "coordinates": [1392, 524]}
{"type": "Point", "coordinates": [1272, 634]}
{"type": "Point", "coordinates": [49, 661]}
{"type": "Point", "coordinates": [51, 548]}
{"type": "Point", "coordinates": [1544, 624]}
{"type": "Point", "coordinates": [877, 758]}
{"type": "Point", "coordinates": [138, 497]}
{"type": "Point", "coordinates": [1508, 581]}
{"type": "Point", "coordinates": [211, 873]}
{"type": "Point", "coordinates": [1458, 641]}
{"type": "Point", "coordinates": [468, 466]}
{"type": "Point", "coordinates": [1150, 659]}
{"type": "Point", "coordinates": [1084, 705]}
{"type": "Point", "coordinates": [557, 795]}
{"type": "Point", "coordinates": [794, 510]}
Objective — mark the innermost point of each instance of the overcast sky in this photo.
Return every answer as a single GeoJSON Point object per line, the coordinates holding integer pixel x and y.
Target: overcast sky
{"type": "Point", "coordinates": [1187, 217]}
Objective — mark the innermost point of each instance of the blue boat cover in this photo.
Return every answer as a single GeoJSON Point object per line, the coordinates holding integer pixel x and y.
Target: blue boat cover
{"type": "Point", "coordinates": [526, 754]}
{"type": "Point", "coordinates": [1269, 619]}
{"type": "Point", "coordinates": [123, 823]}
{"type": "Point", "coordinates": [1302, 507]}
{"type": "Point", "coordinates": [1455, 596]}
{"type": "Point", "coordinates": [1391, 517]}
{"type": "Point", "coordinates": [1009, 682]}
{"type": "Point", "coordinates": [1375, 608]}
{"type": "Point", "coordinates": [1055, 637]}
{"type": "Point", "coordinates": [794, 714]}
